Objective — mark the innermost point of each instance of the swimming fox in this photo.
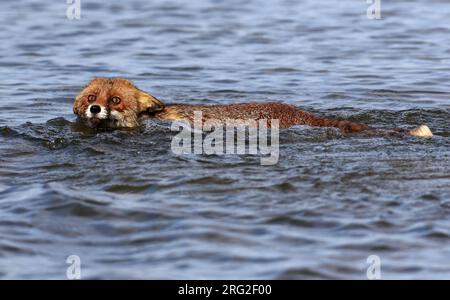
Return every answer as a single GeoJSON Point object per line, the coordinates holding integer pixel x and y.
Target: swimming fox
{"type": "Point", "coordinates": [118, 103]}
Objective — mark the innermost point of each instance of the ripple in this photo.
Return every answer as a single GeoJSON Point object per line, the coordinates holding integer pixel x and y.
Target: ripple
{"type": "Point", "coordinates": [126, 188]}
{"type": "Point", "coordinates": [291, 221]}
{"type": "Point", "coordinates": [130, 208]}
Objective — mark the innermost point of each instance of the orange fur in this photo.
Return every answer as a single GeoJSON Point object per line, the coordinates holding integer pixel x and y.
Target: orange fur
{"type": "Point", "coordinates": [135, 104]}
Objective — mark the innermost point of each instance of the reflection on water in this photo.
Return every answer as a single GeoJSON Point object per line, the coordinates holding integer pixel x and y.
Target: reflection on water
{"type": "Point", "coordinates": [130, 208]}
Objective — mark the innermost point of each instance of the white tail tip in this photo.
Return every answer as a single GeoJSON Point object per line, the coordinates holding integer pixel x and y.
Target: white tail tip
{"type": "Point", "coordinates": [422, 131]}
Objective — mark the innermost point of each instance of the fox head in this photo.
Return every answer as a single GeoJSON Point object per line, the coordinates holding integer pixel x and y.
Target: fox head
{"type": "Point", "coordinates": [113, 103]}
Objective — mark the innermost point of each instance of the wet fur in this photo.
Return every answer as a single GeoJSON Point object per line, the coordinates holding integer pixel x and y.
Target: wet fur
{"type": "Point", "coordinates": [288, 115]}
{"type": "Point", "coordinates": [127, 113]}
{"type": "Point", "coordinates": [137, 104]}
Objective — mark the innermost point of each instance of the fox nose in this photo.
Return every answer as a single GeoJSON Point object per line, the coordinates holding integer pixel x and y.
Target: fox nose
{"type": "Point", "coordinates": [95, 109]}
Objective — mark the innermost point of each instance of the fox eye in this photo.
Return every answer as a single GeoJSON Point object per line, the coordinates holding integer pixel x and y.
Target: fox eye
{"type": "Point", "coordinates": [115, 100]}
{"type": "Point", "coordinates": [92, 98]}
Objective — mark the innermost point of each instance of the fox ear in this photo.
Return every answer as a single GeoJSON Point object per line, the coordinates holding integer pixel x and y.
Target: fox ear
{"type": "Point", "coordinates": [148, 103]}
{"type": "Point", "coordinates": [76, 105]}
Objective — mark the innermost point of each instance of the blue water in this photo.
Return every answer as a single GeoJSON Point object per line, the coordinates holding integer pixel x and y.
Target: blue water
{"type": "Point", "coordinates": [130, 208]}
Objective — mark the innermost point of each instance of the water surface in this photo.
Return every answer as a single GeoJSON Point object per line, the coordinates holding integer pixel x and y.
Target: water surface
{"type": "Point", "coordinates": [130, 208]}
